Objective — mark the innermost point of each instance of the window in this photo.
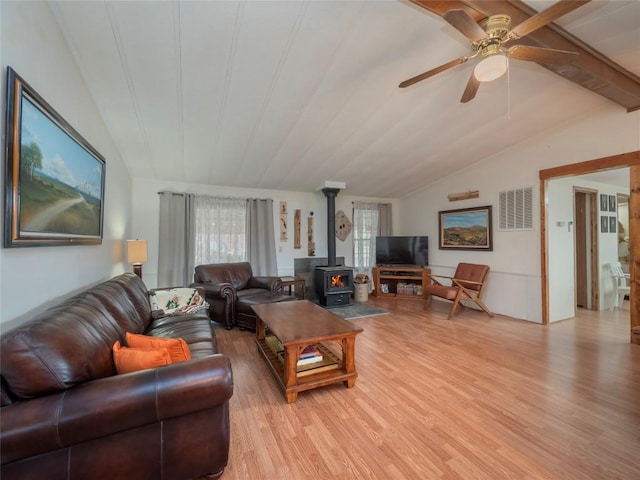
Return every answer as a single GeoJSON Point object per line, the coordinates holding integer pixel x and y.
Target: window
{"type": "Point", "coordinates": [220, 230]}
{"type": "Point", "coordinates": [365, 230]}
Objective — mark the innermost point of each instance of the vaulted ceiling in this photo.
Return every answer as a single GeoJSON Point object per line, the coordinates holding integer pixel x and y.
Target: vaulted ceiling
{"type": "Point", "coordinates": [286, 95]}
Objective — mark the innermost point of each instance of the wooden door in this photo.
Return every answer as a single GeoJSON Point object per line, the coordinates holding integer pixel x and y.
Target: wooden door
{"type": "Point", "coordinates": [582, 288]}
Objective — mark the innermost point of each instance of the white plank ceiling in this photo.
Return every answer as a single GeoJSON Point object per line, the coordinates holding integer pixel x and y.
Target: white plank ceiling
{"type": "Point", "coordinates": [285, 95]}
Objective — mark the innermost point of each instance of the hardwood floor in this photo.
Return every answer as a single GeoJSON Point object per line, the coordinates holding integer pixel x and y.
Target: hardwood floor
{"type": "Point", "coordinates": [469, 398]}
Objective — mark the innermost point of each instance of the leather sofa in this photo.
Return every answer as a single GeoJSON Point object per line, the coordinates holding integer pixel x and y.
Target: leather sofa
{"type": "Point", "coordinates": [67, 414]}
{"type": "Point", "coordinates": [231, 290]}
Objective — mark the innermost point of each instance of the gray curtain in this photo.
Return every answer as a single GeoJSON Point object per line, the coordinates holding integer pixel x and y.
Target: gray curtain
{"type": "Point", "coordinates": [176, 240]}
{"type": "Point", "coordinates": [385, 224]}
{"type": "Point", "coordinates": [261, 243]}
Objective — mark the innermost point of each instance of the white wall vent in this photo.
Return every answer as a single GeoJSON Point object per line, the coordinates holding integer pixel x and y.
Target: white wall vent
{"type": "Point", "coordinates": [516, 209]}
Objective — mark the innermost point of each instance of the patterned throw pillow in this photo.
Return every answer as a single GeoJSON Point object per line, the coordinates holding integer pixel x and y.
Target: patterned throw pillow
{"type": "Point", "coordinates": [177, 301]}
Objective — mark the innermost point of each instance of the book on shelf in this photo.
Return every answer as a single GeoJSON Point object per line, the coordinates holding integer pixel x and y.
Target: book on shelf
{"type": "Point", "coordinates": [329, 362]}
{"type": "Point", "coordinates": [313, 369]}
{"type": "Point", "coordinates": [325, 360]}
{"type": "Point", "coordinates": [274, 345]}
{"type": "Point", "coordinates": [310, 351]}
{"type": "Point", "coordinates": [308, 360]}
{"type": "Point", "coordinates": [404, 288]}
{"type": "Point", "coordinates": [303, 361]}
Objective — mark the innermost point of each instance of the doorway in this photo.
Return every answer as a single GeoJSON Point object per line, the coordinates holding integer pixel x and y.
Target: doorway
{"type": "Point", "coordinates": [631, 160]}
{"type": "Point", "coordinates": [586, 248]}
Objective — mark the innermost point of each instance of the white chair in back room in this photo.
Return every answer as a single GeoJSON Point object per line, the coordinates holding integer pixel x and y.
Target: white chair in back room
{"type": "Point", "coordinates": [621, 281]}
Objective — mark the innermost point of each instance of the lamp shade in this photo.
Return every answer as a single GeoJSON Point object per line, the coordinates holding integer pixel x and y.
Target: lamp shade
{"type": "Point", "coordinates": [490, 68]}
{"type": "Point", "coordinates": [136, 251]}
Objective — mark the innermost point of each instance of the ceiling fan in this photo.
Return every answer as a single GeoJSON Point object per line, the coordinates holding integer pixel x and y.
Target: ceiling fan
{"type": "Point", "coordinates": [488, 40]}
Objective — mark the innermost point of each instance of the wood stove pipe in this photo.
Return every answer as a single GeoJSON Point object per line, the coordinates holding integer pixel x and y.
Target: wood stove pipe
{"type": "Point", "coordinates": [331, 194]}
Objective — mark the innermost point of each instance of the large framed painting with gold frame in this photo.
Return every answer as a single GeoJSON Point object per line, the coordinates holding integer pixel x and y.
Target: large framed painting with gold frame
{"type": "Point", "coordinates": [466, 229]}
{"type": "Point", "coordinates": [54, 179]}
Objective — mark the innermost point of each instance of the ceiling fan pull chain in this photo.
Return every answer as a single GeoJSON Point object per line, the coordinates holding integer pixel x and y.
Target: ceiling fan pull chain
{"type": "Point", "coordinates": [508, 90]}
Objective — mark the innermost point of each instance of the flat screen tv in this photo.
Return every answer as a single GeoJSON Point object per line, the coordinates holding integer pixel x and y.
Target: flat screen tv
{"type": "Point", "coordinates": [412, 251]}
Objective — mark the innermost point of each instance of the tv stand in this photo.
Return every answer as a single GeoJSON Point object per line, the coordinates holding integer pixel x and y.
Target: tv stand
{"type": "Point", "coordinates": [401, 282]}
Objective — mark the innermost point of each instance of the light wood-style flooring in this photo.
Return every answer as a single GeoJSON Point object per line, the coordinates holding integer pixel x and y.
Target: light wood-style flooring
{"type": "Point", "coordinates": [469, 398]}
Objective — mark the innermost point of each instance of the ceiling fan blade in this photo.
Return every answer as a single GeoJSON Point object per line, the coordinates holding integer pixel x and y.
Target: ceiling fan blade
{"type": "Point", "coordinates": [542, 55]}
{"type": "Point", "coordinates": [544, 17]}
{"type": "Point", "coordinates": [470, 91]}
{"type": "Point", "coordinates": [461, 21]}
{"type": "Point", "coordinates": [430, 73]}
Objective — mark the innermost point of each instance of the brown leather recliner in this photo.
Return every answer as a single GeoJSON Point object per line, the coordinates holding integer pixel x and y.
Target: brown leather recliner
{"type": "Point", "coordinates": [231, 290]}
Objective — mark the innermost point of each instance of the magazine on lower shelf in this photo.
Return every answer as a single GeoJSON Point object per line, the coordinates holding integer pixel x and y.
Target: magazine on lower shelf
{"type": "Point", "coordinates": [310, 352]}
{"type": "Point", "coordinates": [328, 360]}
{"type": "Point", "coordinates": [309, 360]}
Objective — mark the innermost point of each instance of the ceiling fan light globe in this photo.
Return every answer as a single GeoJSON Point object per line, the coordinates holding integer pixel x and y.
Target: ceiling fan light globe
{"type": "Point", "coordinates": [491, 68]}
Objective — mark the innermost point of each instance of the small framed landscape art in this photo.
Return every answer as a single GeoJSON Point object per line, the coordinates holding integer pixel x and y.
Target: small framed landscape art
{"type": "Point", "coordinates": [466, 229]}
{"type": "Point", "coordinates": [54, 179]}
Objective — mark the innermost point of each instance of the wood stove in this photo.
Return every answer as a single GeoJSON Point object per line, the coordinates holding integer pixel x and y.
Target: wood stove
{"type": "Point", "coordinates": [333, 283]}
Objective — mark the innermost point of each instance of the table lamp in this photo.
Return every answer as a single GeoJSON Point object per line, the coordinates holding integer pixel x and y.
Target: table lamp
{"type": "Point", "coordinates": [137, 254]}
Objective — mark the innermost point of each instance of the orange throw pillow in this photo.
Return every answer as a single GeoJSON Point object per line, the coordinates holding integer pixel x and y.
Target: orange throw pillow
{"type": "Point", "coordinates": [129, 360]}
{"type": "Point", "coordinates": [177, 347]}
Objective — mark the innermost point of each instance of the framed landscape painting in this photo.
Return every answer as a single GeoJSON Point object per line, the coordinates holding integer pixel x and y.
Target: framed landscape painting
{"type": "Point", "coordinates": [54, 182]}
{"type": "Point", "coordinates": [466, 229]}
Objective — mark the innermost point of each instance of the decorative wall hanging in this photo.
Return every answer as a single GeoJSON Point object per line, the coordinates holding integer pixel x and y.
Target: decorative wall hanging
{"type": "Point", "coordinates": [604, 202]}
{"type": "Point", "coordinates": [283, 221]}
{"type": "Point", "coordinates": [54, 183]}
{"type": "Point", "coordinates": [296, 229]}
{"type": "Point", "coordinates": [311, 245]}
{"type": "Point", "coordinates": [466, 229]}
{"type": "Point", "coordinates": [454, 197]}
{"type": "Point", "coordinates": [343, 225]}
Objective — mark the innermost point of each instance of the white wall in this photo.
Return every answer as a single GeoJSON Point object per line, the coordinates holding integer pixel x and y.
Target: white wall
{"type": "Point", "coordinates": [146, 206]}
{"type": "Point", "coordinates": [31, 277]}
{"type": "Point", "coordinates": [561, 249]}
{"type": "Point", "coordinates": [514, 286]}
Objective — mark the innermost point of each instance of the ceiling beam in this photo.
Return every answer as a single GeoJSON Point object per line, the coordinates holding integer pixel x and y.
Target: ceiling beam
{"type": "Point", "coordinates": [592, 70]}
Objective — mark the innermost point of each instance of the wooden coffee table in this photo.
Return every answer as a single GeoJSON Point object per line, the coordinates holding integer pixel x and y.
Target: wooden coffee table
{"type": "Point", "coordinates": [294, 325]}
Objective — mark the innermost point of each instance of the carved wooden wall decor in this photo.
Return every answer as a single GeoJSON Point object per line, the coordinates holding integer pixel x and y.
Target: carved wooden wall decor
{"type": "Point", "coordinates": [283, 221]}
{"type": "Point", "coordinates": [343, 225]}
{"type": "Point", "coordinates": [311, 245]}
{"type": "Point", "coordinates": [296, 229]}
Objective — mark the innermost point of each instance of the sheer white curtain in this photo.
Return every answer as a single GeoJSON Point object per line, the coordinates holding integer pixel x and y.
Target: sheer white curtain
{"type": "Point", "coordinates": [365, 229]}
{"type": "Point", "coordinates": [220, 230]}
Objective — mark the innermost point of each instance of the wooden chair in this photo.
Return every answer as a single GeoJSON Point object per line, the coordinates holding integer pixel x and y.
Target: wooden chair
{"type": "Point", "coordinates": [467, 283]}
